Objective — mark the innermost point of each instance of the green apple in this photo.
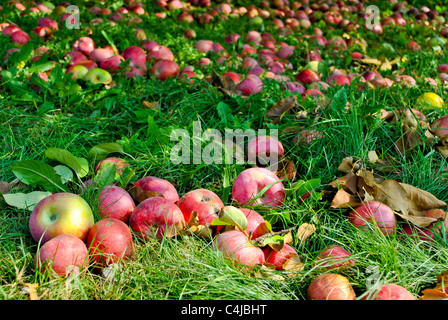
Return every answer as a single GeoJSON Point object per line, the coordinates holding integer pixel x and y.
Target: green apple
{"type": "Point", "coordinates": [79, 71]}
{"type": "Point", "coordinates": [61, 213]}
{"type": "Point", "coordinates": [98, 75]}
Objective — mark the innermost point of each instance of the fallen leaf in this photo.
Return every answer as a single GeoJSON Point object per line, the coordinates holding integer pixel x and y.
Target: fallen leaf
{"type": "Point", "coordinates": [280, 108]}
{"type": "Point", "coordinates": [151, 105]}
{"type": "Point", "coordinates": [305, 230]}
{"type": "Point", "coordinates": [343, 199]}
{"type": "Point", "coordinates": [433, 294]}
{"type": "Point", "coordinates": [293, 266]}
{"type": "Point", "coordinates": [31, 290]}
{"type": "Point", "coordinates": [409, 201]}
{"type": "Point", "coordinates": [373, 157]}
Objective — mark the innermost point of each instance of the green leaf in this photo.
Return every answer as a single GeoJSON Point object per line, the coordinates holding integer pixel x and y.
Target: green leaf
{"type": "Point", "coordinates": [100, 151]}
{"type": "Point", "coordinates": [40, 66]}
{"type": "Point", "coordinates": [24, 54]}
{"type": "Point", "coordinates": [65, 172]}
{"type": "Point", "coordinates": [109, 40]}
{"type": "Point", "coordinates": [25, 200]}
{"type": "Point", "coordinates": [35, 172]}
{"type": "Point", "coordinates": [84, 167]}
{"type": "Point", "coordinates": [65, 157]}
{"type": "Point", "coordinates": [263, 191]}
{"type": "Point", "coordinates": [230, 215]}
{"type": "Point", "coordinates": [225, 112]}
{"type": "Point", "coordinates": [276, 239]}
{"type": "Point", "coordinates": [106, 175]}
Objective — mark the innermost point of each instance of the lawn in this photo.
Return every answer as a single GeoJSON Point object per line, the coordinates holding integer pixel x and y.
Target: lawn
{"type": "Point", "coordinates": [368, 136]}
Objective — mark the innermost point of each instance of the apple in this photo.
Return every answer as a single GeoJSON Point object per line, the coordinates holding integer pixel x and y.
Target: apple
{"type": "Point", "coordinates": [100, 54]}
{"type": "Point", "coordinates": [115, 202]}
{"type": "Point", "coordinates": [440, 127]}
{"type": "Point", "coordinates": [250, 85]}
{"type": "Point", "coordinates": [256, 224]}
{"type": "Point", "coordinates": [286, 52]}
{"type": "Point", "coordinates": [109, 241]}
{"type": "Point", "coordinates": [331, 286]}
{"type": "Point", "coordinates": [205, 203]}
{"type": "Point", "coordinates": [112, 64]}
{"type": "Point", "coordinates": [98, 75]}
{"type": "Point", "coordinates": [374, 212]}
{"type": "Point", "coordinates": [150, 186]}
{"type": "Point", "coordinates": [235, 77]}
{"type": "Point", "coordinates": [334, 257]}
{"type": "Point", "coordinates": [190, 34]}
{"type": "Point", "coordinates": [20, 37]}
{"type": "Point", "coordinates": [148, 45]}
{"type": "Point", "coordinates": [136, 54]}
{"type": "Point", "coordinates": [263, 148]}
{"type": "Point", "coordinates": [278, 259]}
{"type": "Point", "coordinates": [10, 29]}
{"type": "Point", "coordinates": [294, 87]}
{"type": "Point", "coordinates": [120, 164]}
{"type": "Point", "coordinates": [77, 71]}
{"type": "Point", "coordinates": [160, 52]}
{"type": "Point", "coordinates": [156, 217]}
{"type": "Point", "coordinates": [165, 69]}
{"type": "Point", "coordinates": [430, 100]}
{"type": "Point", "coordinates": [251, 181]}
{"type": "Point", "coordinates": [84, 45]}
{"type": "Point", "coordinates": [204, 46]}
{"type": "Point", "coordinates": [43, 32]}
{"type": "Point", "coordinates": [75, 57]}
{"type": "Point", "coordinates": [254, 37]}
{"type": "Point", "coordinates": [89, 64]}
{"type": "Point", "coordinates": [307, 76]}
{"type": "Point", "coordinates": [338, 80]}
{"type": "Point", "coordinates": [390, 291]}
{"type": "Point", "coordinates": [61, 255]}
{"type": "Point", "coordinates": [48, 22]}
{"type": "Point", "coordinates": [236, 247]}
{"type": "Point", "coordinates": [60, 213]}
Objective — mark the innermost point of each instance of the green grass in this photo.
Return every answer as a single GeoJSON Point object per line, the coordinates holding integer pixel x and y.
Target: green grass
{"type": "Point", "coordinates": [189, 268]}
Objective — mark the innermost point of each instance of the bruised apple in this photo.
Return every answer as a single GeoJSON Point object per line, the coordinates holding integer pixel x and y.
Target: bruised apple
{"type": "Point", "coordinates": [150, 186]}
{"type": "Point", "coordinates": [205, 203]}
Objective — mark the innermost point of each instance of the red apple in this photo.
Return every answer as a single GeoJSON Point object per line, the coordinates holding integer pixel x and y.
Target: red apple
{"type": "Point", "coordinates": [20, 37]}
{"type": "Point", "coordinates": [115, 202]}
{"type": "Point", "coordinates": [43, 32]}
{"type": "Point", "coordinates": [84, 45]}
{"type": "Point", "coordinates": [100, 54]}
{"type": "Point", "coordinates": [334, 257]}
{"type": "Point", "coordinates": [294, 87]}
{"type": "Point", "coordinates": [160, 52]}
{"type": "Point", "coordinates": [390, 292]}
{"type": "Point", "coordinates": [165, 69]}
{"type": "Point", "coordinates": [278, 259]}
{"type": "Point", "coordinates": [74, 57]}
{"type": "Point", "coordinates": [136, 54]}
{"type": "Point", "coordinates": [236, 246]}
{"type": "Point", "coordinates": [205, 203]}
{"type": "Point", "coordinates": [149, 186]}
{"type": "Point", "coordinates": [156, 217]}
{"type": "Point", "coordinates": [331, 286]}
{"type": "Point", "coordinates": [251, 181]}
{"type": "Point", "coordinates": [338, 80]}
{"type": "Point", "coordinates": [257, 225]}
{"type": "Point", "coordinates": [112, 64]}
{"type": "Point", "coordinates": [48, 22]}
{"type": "Point", "coordinates": [440, 127]}
{"type": "Point", "coordinates": [61, 255]}
{"type": "Point", "coordinates": [307, 76]}
{"type": "Point", "coordinates": [250, 85]}
{"type": "Point", "coordinates": [109, 241]}
{"type": "Point", "coordinates": [263, 148]}
{"type": "Point", "coordinates": [60, 213]}
{"type": "Point", "coordinates": [119, 163]}
{"type": "Point", "coordinates": [203, 45]}
{"type": "Point", "coordinates": [374, 212]}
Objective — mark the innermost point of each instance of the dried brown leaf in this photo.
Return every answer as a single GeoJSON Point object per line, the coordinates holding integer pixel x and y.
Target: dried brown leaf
{"type": "Point", "coordinates": [409, 201]}
{"type": "Point", "coordinates": [280, 108]}
{"type": "Point", "coordinates": [305, 230]}
{"type": "Point", "coordinates": [434, 294]}
{"type": "Point", "coordinates": [151, 105]}
{"type": "Point", "coordinates": [343, 199]}
{"type": "Point", "coordinates": [293, 266]}
{"type": "Point", "coordinates": [31, 290]}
